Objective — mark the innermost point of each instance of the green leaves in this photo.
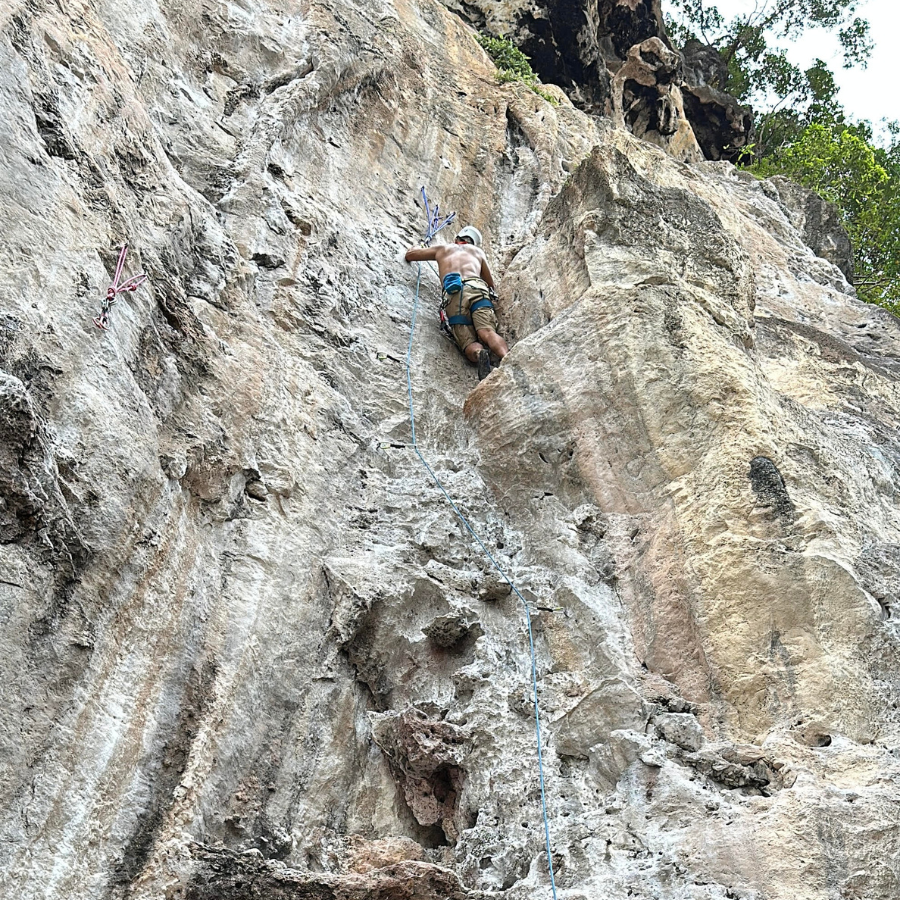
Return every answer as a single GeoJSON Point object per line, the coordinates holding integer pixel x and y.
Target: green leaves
{"type": "Point", "coordinates": [856, 41]}
{"type": "Point", "coordinates": [512, 64]}
{"type": "Point", "coordinates": [509, 58]}
{"type": "Point", "coordinates": [801, 128]}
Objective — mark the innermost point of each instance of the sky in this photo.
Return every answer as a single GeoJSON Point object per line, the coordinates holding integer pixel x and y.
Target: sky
{"type": "Point", "coordinates": [865, 93]}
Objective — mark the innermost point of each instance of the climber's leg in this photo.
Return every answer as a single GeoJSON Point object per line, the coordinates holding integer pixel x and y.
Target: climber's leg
{"type": "Point", "coordinates": [493, 341]}
{"type": "Point", "coordinates": [472, 351]}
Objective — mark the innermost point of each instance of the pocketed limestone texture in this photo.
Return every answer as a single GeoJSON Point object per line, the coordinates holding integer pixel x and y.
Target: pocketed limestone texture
{"type": "Point", "coordinates": [248, 650]}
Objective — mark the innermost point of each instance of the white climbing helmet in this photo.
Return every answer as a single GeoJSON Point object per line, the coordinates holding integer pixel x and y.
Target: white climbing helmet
{"type": "Point", "coordinates": [472, 233]}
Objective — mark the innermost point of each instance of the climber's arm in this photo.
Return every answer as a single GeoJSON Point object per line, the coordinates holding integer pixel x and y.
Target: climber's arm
{"type": "Point", "coordinates": [421, 254]}
{"type": "Point", "coordinates": [486, 274]}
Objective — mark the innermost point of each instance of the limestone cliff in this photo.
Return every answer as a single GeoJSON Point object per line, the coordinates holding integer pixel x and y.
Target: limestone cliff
{"type": "Point", "coordinates": [614, 58]}
{"type": "Point", "coordinates": [247, 649]}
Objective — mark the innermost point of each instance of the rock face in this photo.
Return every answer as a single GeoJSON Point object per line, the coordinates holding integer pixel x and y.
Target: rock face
{"type": "Point", "coordinates": [817, 221]}
{"type": "Point", "coordinates": [721, 125]}
{"type": "Point", "coordinates": [647, 100]}
{"type": "Point", "coordinates": [575, 45]}
{"type": "Point", "coordinates": [249, 651]}
{"type": "Point", "coordinates": [613, 57]}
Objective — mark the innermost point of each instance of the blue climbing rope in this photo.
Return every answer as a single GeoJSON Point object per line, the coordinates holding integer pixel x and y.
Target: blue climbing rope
{"type": "Point", "coordinates": [435, 225]}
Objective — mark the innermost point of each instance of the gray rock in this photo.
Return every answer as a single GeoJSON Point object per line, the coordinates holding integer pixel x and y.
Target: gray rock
{"type": "Point", "coordinates": [257, 490]}
{"type": "Point", "coordinates": [818, 221]}
{"type": "Point", "coordinates": [682, 729]}
{"type": "Point", "coordinates": [720, 123]}
{"type": "Point", "coordinates": [447, 631]}
{"type": "Point", "coordinates": [613, 706]}
{"type": "Point", "coordinates": [190, 674]}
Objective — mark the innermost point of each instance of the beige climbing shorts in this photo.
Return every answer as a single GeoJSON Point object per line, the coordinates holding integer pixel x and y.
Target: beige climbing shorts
{"type": "Point", "coordinates": [458, 305]}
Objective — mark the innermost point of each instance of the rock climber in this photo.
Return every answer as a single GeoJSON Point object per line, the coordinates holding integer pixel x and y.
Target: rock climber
{"type": "Point", "coordinates": [468, 291]}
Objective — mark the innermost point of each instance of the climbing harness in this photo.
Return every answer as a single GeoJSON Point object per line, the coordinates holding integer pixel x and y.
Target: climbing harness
{"type": "Point", "coordinates": [429, 234]}
{"type": "Point", "coordinates": [454, 284]}
{"type": "Point", "coordinates": [444, 321]}
{"type": "Point", "coordinates": [113, 291]}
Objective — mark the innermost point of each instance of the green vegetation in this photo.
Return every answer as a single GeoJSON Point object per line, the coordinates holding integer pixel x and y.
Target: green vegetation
{"type": "Point", "coordinates": [802, 131]}
{"type": "Point", "coordinates": [512, 64]}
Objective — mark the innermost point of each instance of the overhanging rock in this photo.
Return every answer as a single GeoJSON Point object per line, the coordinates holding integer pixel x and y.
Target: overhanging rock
{"type": "Point", "coordinates": [600, 53]}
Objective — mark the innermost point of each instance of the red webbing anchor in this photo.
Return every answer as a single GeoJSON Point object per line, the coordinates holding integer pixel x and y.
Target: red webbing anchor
{"type": "Point", "coordinates": [113, 291]}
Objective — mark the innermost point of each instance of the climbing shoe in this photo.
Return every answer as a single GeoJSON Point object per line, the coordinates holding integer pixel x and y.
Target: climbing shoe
{"type": "Point", "coordinates": [484, 365]}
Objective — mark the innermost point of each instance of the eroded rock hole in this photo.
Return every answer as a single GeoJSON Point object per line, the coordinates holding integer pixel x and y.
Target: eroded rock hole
{"type": "Point", "coordinates": [642, 107]}
{"type": "Point", "coordinates": [431, 837]}
{"type": "Point", "coordinates": [453, 633]}
{"type": "Point", "coordinates": [442, 785]}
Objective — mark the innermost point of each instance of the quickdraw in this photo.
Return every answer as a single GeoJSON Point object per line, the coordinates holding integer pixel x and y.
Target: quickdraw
{"type": "Point", "coordinates": [113, 291]}
{"type": "Point", "coordinates": [435, 222]}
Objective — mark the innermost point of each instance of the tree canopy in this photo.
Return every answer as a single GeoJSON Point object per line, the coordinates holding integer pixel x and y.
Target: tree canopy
{"type": "Point", "coordinates": [786, 97]}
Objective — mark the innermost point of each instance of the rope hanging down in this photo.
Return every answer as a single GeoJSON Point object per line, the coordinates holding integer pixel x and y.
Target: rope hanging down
{"type": "Point", "coordinates": [434, 226]}
{"type": "Point", "coordinates": [113, 291]}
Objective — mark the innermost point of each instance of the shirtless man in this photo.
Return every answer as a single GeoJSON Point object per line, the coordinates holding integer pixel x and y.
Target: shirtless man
{"type": "Point", "coordinates": [468, 285]}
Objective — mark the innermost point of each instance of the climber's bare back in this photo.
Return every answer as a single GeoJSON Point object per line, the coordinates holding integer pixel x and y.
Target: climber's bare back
{"type": "Point", "coordinates": [468, 261]}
